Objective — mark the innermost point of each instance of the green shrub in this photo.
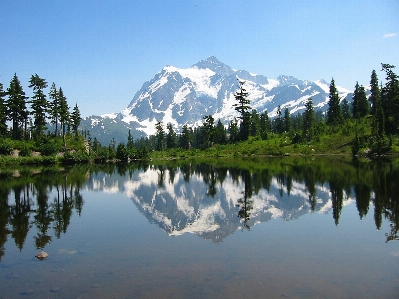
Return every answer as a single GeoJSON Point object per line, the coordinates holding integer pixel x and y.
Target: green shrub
{"type": "Point", "coordinates": [49, 149]}
{"type": "Point", "coordinates": [6, 147]}
{"type": "Point", "coordinates": [75, 157]}
{"type": "Point", "coordinates": [25, 151]}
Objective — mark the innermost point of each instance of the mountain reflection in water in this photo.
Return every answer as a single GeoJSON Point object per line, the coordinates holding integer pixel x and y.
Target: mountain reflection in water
{"type": "Point", "coordinates": [211, 200]}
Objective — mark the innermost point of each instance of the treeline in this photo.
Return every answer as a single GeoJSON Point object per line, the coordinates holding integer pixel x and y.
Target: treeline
{"type": "Point", "coordinates": [29, 116]}
{"type": "Point", "coordinates": [372, 120]}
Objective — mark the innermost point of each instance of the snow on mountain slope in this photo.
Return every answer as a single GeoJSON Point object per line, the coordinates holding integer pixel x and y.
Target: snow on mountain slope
{"type": "Point", "coordinates": [184, 96]}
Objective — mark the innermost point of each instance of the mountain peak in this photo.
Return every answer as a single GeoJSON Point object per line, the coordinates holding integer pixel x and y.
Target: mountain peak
{"type": "Point", "coordinates": [215, 65]}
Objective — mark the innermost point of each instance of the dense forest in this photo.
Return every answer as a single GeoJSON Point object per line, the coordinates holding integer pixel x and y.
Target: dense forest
{"type": "Point", "coordinates": [368, 125]}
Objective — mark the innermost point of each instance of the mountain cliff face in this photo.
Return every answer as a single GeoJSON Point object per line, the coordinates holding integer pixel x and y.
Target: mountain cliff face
{"type": "Point", "coordinates": [185, 96]}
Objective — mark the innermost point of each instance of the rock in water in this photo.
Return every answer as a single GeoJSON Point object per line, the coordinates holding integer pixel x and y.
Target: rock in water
{"type": "Point", "coordinates": [41, 255]}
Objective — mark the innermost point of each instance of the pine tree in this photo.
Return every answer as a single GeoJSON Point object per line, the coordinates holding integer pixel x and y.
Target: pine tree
{"type": "Point", "coordinates": [242, 107]}
{"type": "Point", "coordinates": [39, 104]}
{"type": "Point", "coordinates": [287, 120]}
{"type": "Point", "coordinates": [234, 131]}
{"type": "Point", "coordinates": [186, 138]}
{"type": "Point", "coordinates": [255, 123]}
{"type": "Point", "coordinates": [160, 136]}
{"type": "Point", "coordinates": [3, 112]}
{"type": "Point", "coordinates": [208, 130]}
{"type": "Point", "coordinates": [75, 119]}
{"type": "Point", "coordinates": [220, 133]}
{"type": "Point", "coordinates": [309, 121]}
{"type": "Point", "coordinates": [390, 100]}
{"type": "Point", "coordinates": [63, 113]}
{"type": "Point", "coordinates": [375, 91]}
{"type": "Point", "coordinates": [334, 113]}
{"type": "Point", "coordinates": [265, 125]}
{"type": "Point", "coordinates": [170, 136]}
{"type": "Point", "coordinates": [346, 110]}
{"type": "Point", "coordinates": [278, 122]}
{"type": "Point", "coordinates": [16, 106]}
{"type": "Point", "coordinates": [54, 107]}
{"type": "Point", "coordinates": [130, 143]}
{"type": "Point", "coordinates": [360, 105]}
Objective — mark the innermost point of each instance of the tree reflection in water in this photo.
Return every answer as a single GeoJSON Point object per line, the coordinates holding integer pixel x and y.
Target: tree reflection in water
{"type": "Point", "coordinates": [47, 199]}
{"type": "Point", "coordinates": [31, 205]}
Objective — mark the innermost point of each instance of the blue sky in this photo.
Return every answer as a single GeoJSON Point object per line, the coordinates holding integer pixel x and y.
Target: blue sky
{"type": "Point", "coordinates": [101, 52]}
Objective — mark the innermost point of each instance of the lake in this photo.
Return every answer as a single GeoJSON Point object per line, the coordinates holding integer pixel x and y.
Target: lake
{"type": "Point", "coordinates": [313, 227]}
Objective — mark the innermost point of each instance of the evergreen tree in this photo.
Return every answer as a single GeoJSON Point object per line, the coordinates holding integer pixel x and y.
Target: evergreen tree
{"type": "Point", "coordinates": [309, 121]}
{"type": "Point", "coordinates": [186, 138]}
{"type": "Point", "coordinates": [360, 105]}
{"type": "Point", "coordinates": [220, 133]}
{"type": "Point", "coordinates": [96, 145]}
{"type": "Point", "coordinates": [334, 113]}
{"type": "Point", "coordinates": [75, 119]}
{"type": "Point", "coordinates": [16, 106]}
{"type": "Point", "coordinates": [3, 112]}
{"type": "Point", "coordinates": [242, 107]}
{"type": "Point", "coordinates": [287, 120]}
{"type": "Point", "coordinates": [390, 100]}
{"type": "Point", "coordinates": [278, 122]}
{"type": "Point", "coordinates": [234, 131]}
{"type": "Point", "coordinates": [130, 143]}
{"type": "Point", "coordinates": [378, 125]}
{"type": "Point", "coordinates": [375, 91]}
{"type": "Point", "coordinates": [160, 136]}
{"type": "Point", "coordinates": [346, 110]}
{"type": "Point", "coordinates": [170, 136]}
{"type": "Point", "coordinates": [208, 130]}
{"type": "Point", "coordinates": [255, 123]}
{"type": "Point", "coordinates": [265, 125]}
{"type": "Point", "coordinates": [54, 107]}
{"type": "Point", "coordinates": [63, 113]}
{"type": "Point", "coordinates": [39, 104]}
{"type": "Point", "coordinates": [121, 152]}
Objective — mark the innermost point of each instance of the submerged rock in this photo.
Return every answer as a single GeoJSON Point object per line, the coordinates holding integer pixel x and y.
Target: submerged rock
{"type": "Point", "coordinates": [41, 255]}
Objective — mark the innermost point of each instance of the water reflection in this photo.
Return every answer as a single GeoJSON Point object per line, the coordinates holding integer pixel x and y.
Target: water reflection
{"type": "Point", "coordinates": [212, 200]}
{"type": "Point", "coordinates": [25, 203]}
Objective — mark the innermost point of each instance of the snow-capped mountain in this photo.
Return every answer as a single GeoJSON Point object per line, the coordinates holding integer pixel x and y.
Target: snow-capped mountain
{"type": "Point", "coordinates": [185, 96]}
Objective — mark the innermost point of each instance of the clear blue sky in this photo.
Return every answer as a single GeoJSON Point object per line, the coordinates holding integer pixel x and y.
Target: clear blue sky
{"type": "Point", "coordinates": [101, 52]}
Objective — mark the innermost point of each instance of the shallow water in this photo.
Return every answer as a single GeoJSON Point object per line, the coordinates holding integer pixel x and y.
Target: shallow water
{"type": "Point", "coordinates": [153, 233]}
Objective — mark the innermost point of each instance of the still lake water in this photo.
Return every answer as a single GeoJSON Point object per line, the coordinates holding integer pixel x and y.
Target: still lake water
{"type": "Point", "coordinates": [255, 228]}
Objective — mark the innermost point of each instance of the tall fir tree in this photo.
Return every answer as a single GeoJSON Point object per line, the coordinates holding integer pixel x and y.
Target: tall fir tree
{"type": "Point", "coordinates": [160, 136]}
{"type": "Point", "coordinates": [234, 132]}
{"type": "Point", "coordinates": [265, 125]}
{"type": "Point", "coordinates": [255, 124]}
{"type": "Point", "coordinates": [309, 121]}
{"type": "Point", "coordinates": [130, 143]}
{"type": "Point", "coordinates": [390, 100]}
{"type": "Point", "coordinates": [171, 137]}
{"type": "Point", "coordinates": [360, 105]}
{"type": "Point", "coordinates": [54, 107]}
{"type": "Point", "coordinates": [279, 122]}
{"type": "Point", "coordinates": [346, 110]}
{"type": "Point", "coordinates": [186, 138]}
{"type": "Point", "coordinates": [242, 107]}
{"type": "Point", "coordinates": [375, 93]}
{"type": "Point", "coordinates": [75, 119]}
{"type": "Point", "coordinates": [287, 120]}
{"type": "Point", "coordinates": [334, 113]}
{"type": "Point", "coordinates": [220, 133]}
{"type": "Point", "coordinates": [39, 104]}
{"type": "Point", "coordinates": [3, 112]}
{"type": "Point", "coordinates": [64, 117]}
{"type": "Point", "coordinates": [16, 106]}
